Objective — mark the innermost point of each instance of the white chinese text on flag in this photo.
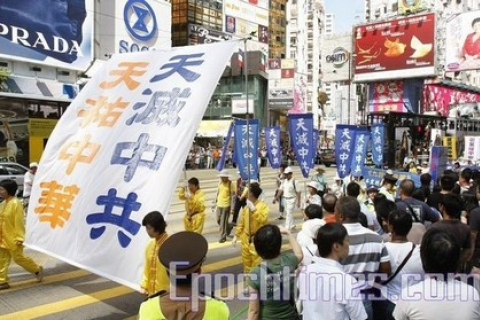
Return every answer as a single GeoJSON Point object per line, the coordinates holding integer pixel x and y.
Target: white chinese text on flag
{"type": "Point", "coordinates": [378, 141]}
{"type": "Point", "coordinates": [246, 148]}
{"type": "Point", "coordinates": [274, 151]}
{"type": "Point", "coordinates": [300, 127]}
{"type": "Point", "coordinates": [344, 144]}
{"type": "Point", "coordinates": [116, 155]}
{"type": "Point", "coordinates": [360, 152]}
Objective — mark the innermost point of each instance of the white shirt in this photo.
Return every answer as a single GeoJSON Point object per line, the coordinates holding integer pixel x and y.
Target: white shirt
{"type": "Point", "coordinates": [412, 273]}
{"type": "Point", "coordinates": [27, 183]}
{"type": "Point", "coordinates": [328, 293]}
{"type": "Point", "coordinates": [289, 187]}
{"type": "Point", "coordinates": [313, 199]}
{"type": "Point", "coordinates": [432, 300]}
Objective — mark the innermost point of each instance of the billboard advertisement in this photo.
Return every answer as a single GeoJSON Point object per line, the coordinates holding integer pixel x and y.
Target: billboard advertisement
{"type": "Point", "coordinates": [60, 36]}
{"type": "Point", "coordinates": [246, 11]}
{"type": "Point", "coordinates": [199, 35]}
{"type": "Point", "coordinates": [403, 48]}
{"type": "Point", "coordinates": [281, 83]}
{"type": "Point", "coordinates": [336, 56]}
{"type": "Point", "coordinates": [406, 7]}
{"type": "Point", "coordinates": [463, 42]}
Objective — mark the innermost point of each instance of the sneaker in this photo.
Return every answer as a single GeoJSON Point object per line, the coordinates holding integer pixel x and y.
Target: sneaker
{"type": "Point", "coordinates": [222, 240]}
{"type": "Point", "coordinates": [39, 274]}
{"type": "Point", "coordinates": [4, 286]}
{"type": "Point", "coordinates": [280, 218]}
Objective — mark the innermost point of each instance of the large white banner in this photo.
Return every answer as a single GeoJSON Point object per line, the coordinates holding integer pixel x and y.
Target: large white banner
{"type": "Point", "coordinates": [116, 155]}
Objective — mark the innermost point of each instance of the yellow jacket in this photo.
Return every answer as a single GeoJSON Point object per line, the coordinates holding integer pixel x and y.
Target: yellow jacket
{"type": "Point", "coordinates": [12, 227]}
{"type": "Point", "coordinates": [155, 277]}
{"type": "Point", "coordinates": [255, 219]}
{"type": "Point", "coordinates": [194, 204]}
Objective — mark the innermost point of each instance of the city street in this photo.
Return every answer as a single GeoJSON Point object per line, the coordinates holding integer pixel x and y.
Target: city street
{"type": "Point", "coordinates": [70, 293]}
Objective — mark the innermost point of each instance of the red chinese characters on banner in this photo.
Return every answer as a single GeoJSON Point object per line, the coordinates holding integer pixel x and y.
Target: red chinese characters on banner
{"type": "Point", "coordinates": [395, 45]}
{"type": "Point", "coordinates": [388, 96]}
{"type": "Point", "coordinates": [439, 98]}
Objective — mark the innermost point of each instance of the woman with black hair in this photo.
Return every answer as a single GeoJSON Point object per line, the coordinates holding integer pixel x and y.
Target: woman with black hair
{"type": "Point", "coordinates": [155, 276]}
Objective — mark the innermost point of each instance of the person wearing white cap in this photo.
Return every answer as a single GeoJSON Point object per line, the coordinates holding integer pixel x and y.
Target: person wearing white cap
{"type": "Point", "coordinates": [291, 192]}
{"type": "Point", "coordinates": [312, 196]}
{"type": "Point", "coordinates": [337, 187]}
{"type": "Point", "coordinates": [27, 184]}
{"type": "Point", "coordinates": [313, 217]}
{"type": "Point", "coordinates": [225, 195]}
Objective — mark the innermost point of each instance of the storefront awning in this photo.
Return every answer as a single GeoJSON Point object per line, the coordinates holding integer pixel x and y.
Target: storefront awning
{"type": "Point", "coordinates": [213, 128]}
{"type": "Point", "coordinates": [454, 85]}
{"type": "Point", "coordinates": [38, 89]}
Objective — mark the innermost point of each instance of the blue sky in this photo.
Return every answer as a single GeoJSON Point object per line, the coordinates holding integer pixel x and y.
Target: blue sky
{"type": "Point", "coordinates": [345, 13]}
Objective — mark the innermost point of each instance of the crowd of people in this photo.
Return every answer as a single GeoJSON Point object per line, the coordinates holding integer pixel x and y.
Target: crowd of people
{"type": "Point", "coordinates": [390, 253]}
{"type": "Point", "coordinates": [398, 252]}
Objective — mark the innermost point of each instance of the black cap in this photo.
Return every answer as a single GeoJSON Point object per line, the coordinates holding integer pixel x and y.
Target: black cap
{"type": "Point", "coordinates": [186, 250]}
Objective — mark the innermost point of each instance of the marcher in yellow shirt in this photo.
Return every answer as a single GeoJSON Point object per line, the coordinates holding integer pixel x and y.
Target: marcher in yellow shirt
{"type": "Point", "coordinates": [225, 194]}
{"type": "Point", "coordinates": [254, 216]}
{"type": "Point", "coordinates": [12, 234]}
{"type": "Point", "coordinates": [194, 205]}
{"type": "Point", "coordinates": [155, 276]}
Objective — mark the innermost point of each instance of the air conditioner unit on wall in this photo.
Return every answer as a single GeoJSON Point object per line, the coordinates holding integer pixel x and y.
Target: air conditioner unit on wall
{"type": "Point", "coordinates": [6, 65]}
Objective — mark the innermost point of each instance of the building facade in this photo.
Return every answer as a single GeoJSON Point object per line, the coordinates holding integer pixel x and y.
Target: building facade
{"type": "Point", "coordinates": [304, 35]}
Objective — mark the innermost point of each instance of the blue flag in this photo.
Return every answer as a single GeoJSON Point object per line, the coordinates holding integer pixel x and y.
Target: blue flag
{"type": "Point", "coordinates": [301, 136]}
{"type": "Point", "coordinates": [360, 152]}
{"type": "Point", "coordinates": [246, 150]}
{"type": "Point", "coordinates": [314, 147]}
{"type": "Point", "coordinates": [378, 141]}
{"type": "Point", "coordinates": [221, 161]}
{"type": "Point", "coordinates": [272, 138]}
{"type": "Point", "coordinates": [344, 144]}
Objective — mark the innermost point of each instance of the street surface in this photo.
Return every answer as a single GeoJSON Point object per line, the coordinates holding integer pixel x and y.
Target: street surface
{"type": "Point", "coordinates": [71, 293]}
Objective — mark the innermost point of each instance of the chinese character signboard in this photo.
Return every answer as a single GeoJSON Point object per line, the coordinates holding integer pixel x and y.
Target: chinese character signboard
{"type": "Point", "coordinates": [128, 130]}
{"type": "Point", "coordinates": [246, 148]}
{"type": "Point", "coordinates": [58, 34]}
{"type": "Point", "coordinates": [378, 141]}
{"type": "Point", "coordinates": [274, 152]}
{"type": "Point", "coordinates": [360, 152]}
{"type": "Point", "coordinates": [395, 49]}
{"type": "Point", "coordinates": [462, 44]}
{"type": "Point", "coordinates": [301, 137]}
{"type": "Point", "coordinates": [344, 148]}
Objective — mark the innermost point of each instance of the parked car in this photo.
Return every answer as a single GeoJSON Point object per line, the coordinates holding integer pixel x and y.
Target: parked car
{"type": "Point", "coordinates": [13, 171]}
{"type": "Point", "coordinates": [327, 157]}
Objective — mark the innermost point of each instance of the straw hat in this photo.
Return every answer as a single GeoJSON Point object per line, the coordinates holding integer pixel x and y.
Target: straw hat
{"type": "Point", "coordinates": [224, 174]}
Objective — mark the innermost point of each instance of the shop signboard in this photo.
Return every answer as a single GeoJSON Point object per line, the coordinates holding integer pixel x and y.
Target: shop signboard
{"type": "Point", "coordinates": [52, 33]}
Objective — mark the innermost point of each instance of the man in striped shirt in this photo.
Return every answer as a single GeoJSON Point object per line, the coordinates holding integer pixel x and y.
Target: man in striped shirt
{"type": "Point", "coordinates": [367, 254]}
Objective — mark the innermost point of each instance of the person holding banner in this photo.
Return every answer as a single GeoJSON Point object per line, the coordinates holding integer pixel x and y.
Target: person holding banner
{"type": "Point", "coordinates": [194, 205]}
{"type": "Point", "coordinates": [182, 255]}
{"type": "Point", "coordinates": [225, 195]}
{"type": "Point", "coordinates": [155, 276]}
{"type": "Point", "coordinates": [12, 234]}
{"type": "Point", "coordinates": [292, 194]}
{"type": "Point", "coordinates": [254, 216]}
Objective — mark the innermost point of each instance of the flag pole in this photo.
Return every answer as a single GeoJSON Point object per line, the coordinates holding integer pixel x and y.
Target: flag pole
{"type": "Point", "coordinates": [245, 73]}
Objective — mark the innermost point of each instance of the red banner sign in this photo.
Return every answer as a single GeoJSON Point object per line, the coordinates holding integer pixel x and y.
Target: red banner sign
{"type": "Point", "coordinates": [395, 49]}
{"type": "Point", "coordinates": [388, 96]}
